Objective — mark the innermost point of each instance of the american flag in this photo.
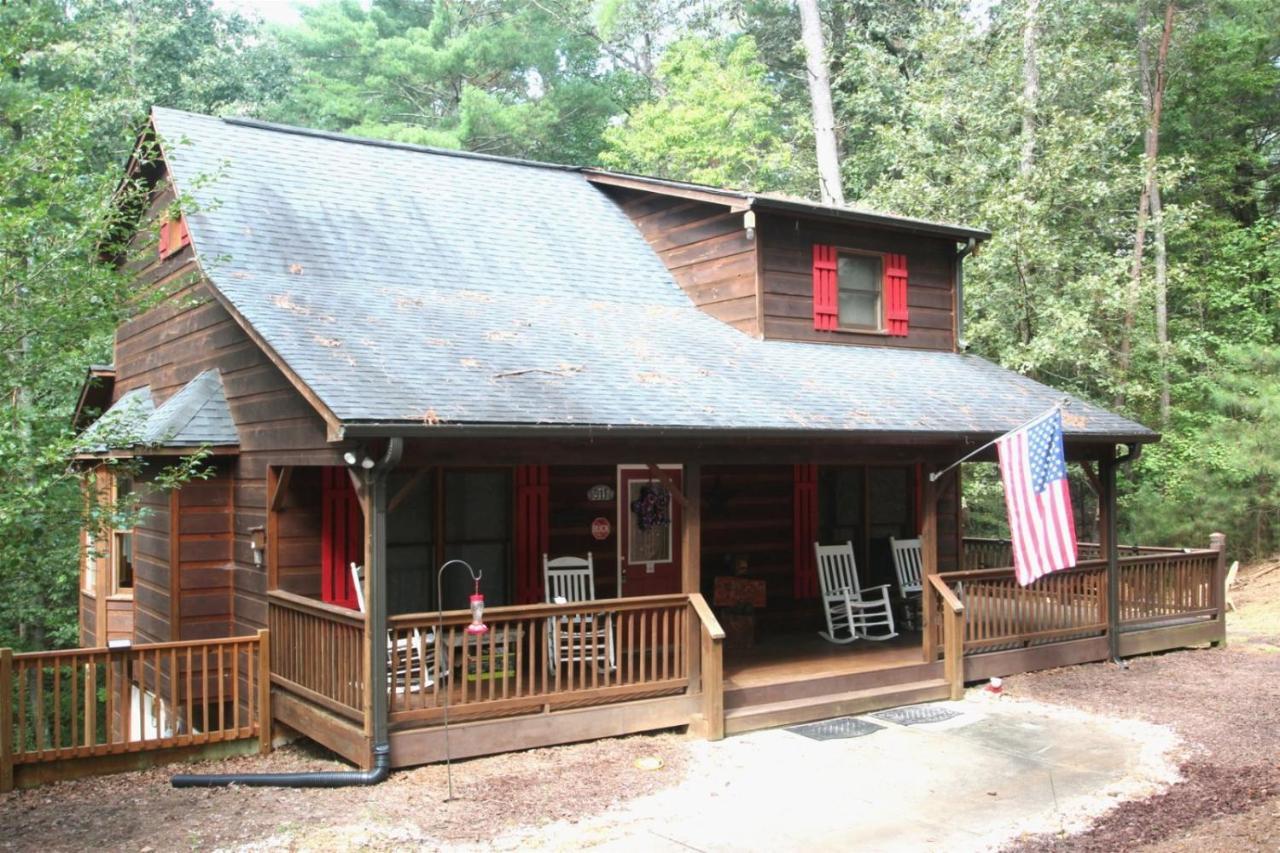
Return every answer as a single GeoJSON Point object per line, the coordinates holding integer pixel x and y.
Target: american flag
{"type": "Point", "coordinates": [1041, 523]}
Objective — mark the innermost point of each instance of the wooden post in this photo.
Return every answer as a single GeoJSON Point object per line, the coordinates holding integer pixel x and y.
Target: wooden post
{"type": "Point", "coordinates": [929, 559]}
{"type": "Point", "coordinates": [691, 538]}
{"type": "Point", "coordinates": [1107, 510]}
{"type": "Point", "coordinates": [1218, 542]}
{"type": "Point", "coordinates": [713, 685]}
{"type": "Point", "coordinates": [953, 654]}
{"type": "Point", "coordinates": [6, 720]}
{"type": "Point", "coordinates": [264, 691]}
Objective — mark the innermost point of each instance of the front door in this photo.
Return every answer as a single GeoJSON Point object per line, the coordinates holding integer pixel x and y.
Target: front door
{"type": "Point", "coordinates": [648, 530]}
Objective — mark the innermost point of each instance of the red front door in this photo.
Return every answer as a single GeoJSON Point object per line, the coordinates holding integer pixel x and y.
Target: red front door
{"type": "Point", "coordinates": [648, 530]}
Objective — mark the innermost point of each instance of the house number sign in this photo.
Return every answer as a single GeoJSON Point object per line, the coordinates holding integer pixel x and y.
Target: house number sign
{"type": "Point", "coordinates": [599, 494]}
{"type": "Point", "coordinates": [600, 529]}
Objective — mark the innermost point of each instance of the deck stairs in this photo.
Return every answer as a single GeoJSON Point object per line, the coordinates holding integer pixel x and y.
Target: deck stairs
{"type": "Point", "coordinates": [807, 698]}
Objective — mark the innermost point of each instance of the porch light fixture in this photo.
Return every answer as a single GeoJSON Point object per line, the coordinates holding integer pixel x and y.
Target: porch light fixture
{"type": "Point", "coordinates": [366, 463]}
{"type": "Point", "coordinates": [749, 224]}
{"type": "Point", "coordinates": [477, 629]}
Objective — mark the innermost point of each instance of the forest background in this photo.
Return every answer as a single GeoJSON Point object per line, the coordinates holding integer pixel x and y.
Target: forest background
{"type": "Point", "coordinates": [1125, 153]}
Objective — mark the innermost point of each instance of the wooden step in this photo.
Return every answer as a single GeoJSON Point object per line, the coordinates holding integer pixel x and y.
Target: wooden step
{"type": "Point", "coordinates": [809, 708]}
{"type": "Point", "coordinates": [806, 685]}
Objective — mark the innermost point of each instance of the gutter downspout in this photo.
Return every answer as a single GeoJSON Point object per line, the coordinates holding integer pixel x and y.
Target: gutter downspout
{"type": "Point", "coordinates": [969, 248]}
{"type": "Point", "coordinates": [1113, 551]}
{"type": "Point", "coordinates": [374, 475]}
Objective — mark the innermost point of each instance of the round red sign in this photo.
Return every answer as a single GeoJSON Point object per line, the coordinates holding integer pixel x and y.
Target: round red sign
{"type": "Point", "coordinates": [600, 528]}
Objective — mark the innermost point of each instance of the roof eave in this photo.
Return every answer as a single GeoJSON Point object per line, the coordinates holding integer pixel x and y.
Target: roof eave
{"type": "Point", "coordinates": [419, 429]}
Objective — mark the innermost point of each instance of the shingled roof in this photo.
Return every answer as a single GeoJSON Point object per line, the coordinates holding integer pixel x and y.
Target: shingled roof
{"type": "Point", "coordinates": [197, 415]}
{"type": "Point", "coordinates": [409, 288]}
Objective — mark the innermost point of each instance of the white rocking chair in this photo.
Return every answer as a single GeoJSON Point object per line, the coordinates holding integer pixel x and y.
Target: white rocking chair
{"type": "Point", "coordinates": [406, 656]}
{"type": "Point", "coordinates": [583, 637]}
{"type": "Point", "coordinates": [852, 613]}
{"type": "Point", "coordinates": [908, 565]}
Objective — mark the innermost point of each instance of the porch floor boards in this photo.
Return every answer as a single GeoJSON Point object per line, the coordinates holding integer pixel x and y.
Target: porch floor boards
{"type": "Point", "coordinates": [806, 656]}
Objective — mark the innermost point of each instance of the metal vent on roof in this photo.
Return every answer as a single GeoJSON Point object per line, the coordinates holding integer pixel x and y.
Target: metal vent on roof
{"type": "Point", "coordinates": [842, 727]}
{"type": "Point", "coordinates": [914, 715]}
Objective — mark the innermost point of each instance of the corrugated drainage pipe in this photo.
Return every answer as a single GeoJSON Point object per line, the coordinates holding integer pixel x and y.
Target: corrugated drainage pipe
{"type": "Point", "coordinates": [318, 779]}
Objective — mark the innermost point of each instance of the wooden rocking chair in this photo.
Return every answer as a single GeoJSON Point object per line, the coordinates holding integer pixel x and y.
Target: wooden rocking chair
{"type": "Point", "coordinates": [584, 637]}
{"type": "Point", "coordinates": [908, 565]}
{"type": "Point", "coordinates": [410, 660]}
{"type": "Point", "coordinates": [852, 613]}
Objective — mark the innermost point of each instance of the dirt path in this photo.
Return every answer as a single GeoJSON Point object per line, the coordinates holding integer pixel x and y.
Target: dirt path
{"type": "Point", "coordinates": [1225, 704]}
{"type": "Point", "coordinates": [141, 812]}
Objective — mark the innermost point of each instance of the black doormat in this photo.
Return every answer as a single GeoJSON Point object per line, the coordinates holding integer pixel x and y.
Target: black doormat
{"type": "Point", "coordinates": [841, 727]}
{"type": "Point", "coordinates": [913, 715]}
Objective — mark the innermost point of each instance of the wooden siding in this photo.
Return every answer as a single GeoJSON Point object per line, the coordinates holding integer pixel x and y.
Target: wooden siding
{"type": "Point", "coordinates": [747, 515]}
{"type": "Point", "coordinates": [786, 248]}
{"type": "Point", "coordinates": [706, 249]}
{"type": "Point", "coordinates": [220, 590]}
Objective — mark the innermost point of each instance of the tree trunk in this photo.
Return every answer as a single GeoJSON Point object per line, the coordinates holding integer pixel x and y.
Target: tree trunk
{"type": "Point", "coordinates": [1030, 88]}
{"type": "Point", "coordinates": [1154, 96]}
{"type": "Point", "coordinates": [824, 122]}
{"type": "Point", "coordinates": [1162, 295]}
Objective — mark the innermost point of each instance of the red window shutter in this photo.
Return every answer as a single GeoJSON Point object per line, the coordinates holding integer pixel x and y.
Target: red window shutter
{"type": "Point", "coordinates": [184, 236]}
{"type": "Point", "coordinates": [532, 530]}
{"type": "Point", "coordinates": [895, 291]}
{"type": "Point", "coordinates": [164, 238]}
{"type": "Point", "coordinates": [173, 236]}
{"type": "Point", "coordinates": [826, 304]}
{"type": "Point", "coordinates": [341, 537]}
{"type": "Point", "coordinates": [805, 530]}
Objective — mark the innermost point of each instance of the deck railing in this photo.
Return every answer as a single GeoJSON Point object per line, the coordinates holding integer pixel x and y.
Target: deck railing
{"type": "Point", "coordinates": [1159, 586]}
{"type": "Point", "coordinates": [84, 703]}
{"type": "Point", "coordinates": [318, 652]}
{"type": "Point", "coordinates": [543, 657]}
{"type": "Point", "coordinates": [982, 553]}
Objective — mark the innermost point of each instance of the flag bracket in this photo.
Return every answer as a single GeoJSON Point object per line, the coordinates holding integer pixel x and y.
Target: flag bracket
{"type": "Point", "coordinates": [1057, 407]}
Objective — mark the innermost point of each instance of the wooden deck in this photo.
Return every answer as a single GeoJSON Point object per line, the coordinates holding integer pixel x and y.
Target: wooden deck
{"type": "Point", "coordinates": [805, 656]}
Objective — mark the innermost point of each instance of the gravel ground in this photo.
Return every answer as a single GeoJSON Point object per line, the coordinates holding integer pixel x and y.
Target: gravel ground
{"type": "Point", "coordinates": [1224, 703]}
{"type": "Point", "coordinates": [141, 812]}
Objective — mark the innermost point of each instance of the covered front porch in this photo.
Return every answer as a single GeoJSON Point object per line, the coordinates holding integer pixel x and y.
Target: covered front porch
{"type": "Point", "coordinates": [648, 650]}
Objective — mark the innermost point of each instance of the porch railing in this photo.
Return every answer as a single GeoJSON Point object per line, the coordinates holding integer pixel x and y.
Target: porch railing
{"type": "Point", "coordinates": [1159, 586]}
{"type": "Point", "coordinates": [84, 703]}
{"type": "Point", "coordinates": [318, 652]}
{"type": "Point", "coordinates": [982, 553]}
{"type": "Point", "coordinates": [543, 657]}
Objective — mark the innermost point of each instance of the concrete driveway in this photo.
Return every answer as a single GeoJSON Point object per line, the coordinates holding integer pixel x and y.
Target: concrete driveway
{"type": "Point", "coordinates": [997, 769]}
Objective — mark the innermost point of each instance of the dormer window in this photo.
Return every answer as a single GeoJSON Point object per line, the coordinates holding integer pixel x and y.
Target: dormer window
{"type": "Point", "coordinates": [859, 291]}
{"type": "Point", "coordinates": [860, 283]}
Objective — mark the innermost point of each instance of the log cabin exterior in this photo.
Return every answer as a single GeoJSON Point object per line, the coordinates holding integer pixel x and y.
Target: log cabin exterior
{"type": "Point", "coordinates": [428, 355]}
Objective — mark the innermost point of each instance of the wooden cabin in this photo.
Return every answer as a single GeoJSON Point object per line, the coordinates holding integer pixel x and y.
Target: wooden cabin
{"type": "Point", "coordinates": [400, 356]}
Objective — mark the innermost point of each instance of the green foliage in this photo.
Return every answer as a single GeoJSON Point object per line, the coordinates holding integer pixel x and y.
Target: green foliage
{"type": "Point", "coordinates": [718, 123]}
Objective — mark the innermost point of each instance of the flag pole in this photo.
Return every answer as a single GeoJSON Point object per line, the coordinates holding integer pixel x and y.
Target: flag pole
{"type": "Point", "coordinates": [1057, 407]}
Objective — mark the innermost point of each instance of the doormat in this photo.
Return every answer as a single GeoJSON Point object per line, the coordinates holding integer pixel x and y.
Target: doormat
{"type": "Point", "coordinates": [914, 715]}
{"type": "Point", "coordinates": [842, 727]}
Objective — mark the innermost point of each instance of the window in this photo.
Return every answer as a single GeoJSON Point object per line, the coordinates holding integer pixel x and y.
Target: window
{"type": "Point", "coordinates": [859, 280]}
{"type": "Point", "coordinates": [122, 542]}
{"type": "Point", "coordinates": [859, 291]}
{"type": "Point", "coordinates": [90, 577]}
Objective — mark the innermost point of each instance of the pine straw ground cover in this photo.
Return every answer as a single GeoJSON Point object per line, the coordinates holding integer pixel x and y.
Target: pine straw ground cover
{"type": "Point", "coordinates": [141, 812]}
{"type": "Point", "coordinates": [1225, 704]}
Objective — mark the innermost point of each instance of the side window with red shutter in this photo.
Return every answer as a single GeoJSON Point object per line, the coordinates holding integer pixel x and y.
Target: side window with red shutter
{"type": "Point", "coordinates": [859, 291]}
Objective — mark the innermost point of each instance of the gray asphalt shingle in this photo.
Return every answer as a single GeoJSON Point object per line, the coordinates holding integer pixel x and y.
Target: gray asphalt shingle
{"type": "Point", "coordinates": [410, 286]}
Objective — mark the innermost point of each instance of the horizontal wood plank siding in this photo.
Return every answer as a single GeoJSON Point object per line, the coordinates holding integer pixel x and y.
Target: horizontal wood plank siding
{"type": "Point", "coordinates": [786, 247]}
{"type": "Point", "coordinates": [706, 249]}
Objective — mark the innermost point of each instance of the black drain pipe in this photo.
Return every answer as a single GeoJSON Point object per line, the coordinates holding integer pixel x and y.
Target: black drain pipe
{"type": "Point", "coordinates": [374, 475]}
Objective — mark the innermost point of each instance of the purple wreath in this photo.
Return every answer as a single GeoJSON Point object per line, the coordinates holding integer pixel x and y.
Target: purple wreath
{"type": "Point", "coordinates": [653, 507]}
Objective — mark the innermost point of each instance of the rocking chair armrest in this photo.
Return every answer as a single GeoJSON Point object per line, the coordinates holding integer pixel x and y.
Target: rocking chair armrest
{"type": "Point", "coordinates": [883, 586]}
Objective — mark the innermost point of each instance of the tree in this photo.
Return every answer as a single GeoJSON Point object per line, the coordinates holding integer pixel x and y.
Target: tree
{"type": "Point", "coordinates": [830, 183]}
{"type": "Point", "coordinates": [718, 123]}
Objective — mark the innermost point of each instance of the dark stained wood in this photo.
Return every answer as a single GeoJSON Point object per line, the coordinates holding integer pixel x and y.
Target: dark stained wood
{"type": "Point", "coordinates": [705, 247]}
{"type": "Point", "coordinates": [786, 250]}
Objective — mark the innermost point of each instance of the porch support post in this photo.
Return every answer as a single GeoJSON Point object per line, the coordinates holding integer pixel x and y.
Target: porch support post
{"type": "Point", "coordinates": [374, 499]}
{"type": "Point", "coordinates": [691, 540]}
{"type": "Point", "coordinates": [929, 560]}
{"type": "Point", "coordinates": [1218, 542]}
{"type": "Point", "coordinates": [1107, 530]}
